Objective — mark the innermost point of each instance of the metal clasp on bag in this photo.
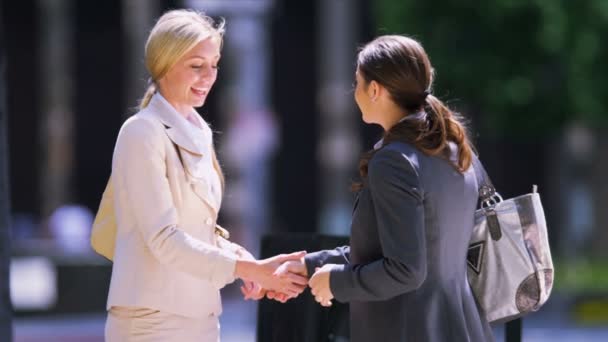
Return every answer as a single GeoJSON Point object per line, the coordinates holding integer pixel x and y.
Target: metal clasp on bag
{"type": "Point", "coordinates": [221, 231]}
{"type": "Point", "coordinates": [490, 198]}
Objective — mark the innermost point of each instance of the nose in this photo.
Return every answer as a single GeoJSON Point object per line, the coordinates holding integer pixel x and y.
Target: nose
{"type": "Point", "coordinates": [204, 82]}
{"type": "Point", "coordinates": [206, 78]}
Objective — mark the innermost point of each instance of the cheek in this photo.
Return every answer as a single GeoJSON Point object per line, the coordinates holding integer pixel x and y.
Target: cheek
{"type": "Point", "coordinates": [359, 100]}
{"type": "Point", "coordinates": [180, 80]}
{"type": "Point", "coordinates": [212, 76]}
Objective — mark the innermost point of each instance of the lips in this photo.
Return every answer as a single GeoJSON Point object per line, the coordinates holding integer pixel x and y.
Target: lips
{"type": "Point", "coordinates": [200, 91]}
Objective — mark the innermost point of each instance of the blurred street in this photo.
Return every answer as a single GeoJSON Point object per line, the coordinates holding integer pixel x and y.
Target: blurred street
{"type": "Point", "coordinates": [239, 325]}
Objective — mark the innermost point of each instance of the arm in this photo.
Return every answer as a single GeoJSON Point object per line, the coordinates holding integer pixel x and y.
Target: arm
{"type": "Point", "coordinates": [397, 200]}
{"type": "Point", "coordinates": [140, 174]}
{"type": "Point", "coordinates": [340, 255]}
{"type": "Point", "coordinates": [232, 247]}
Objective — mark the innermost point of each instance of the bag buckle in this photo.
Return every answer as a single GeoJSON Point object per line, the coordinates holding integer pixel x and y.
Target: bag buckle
{"type": "Point", "coordinates": [221, 231]}
{"type": "Point", "coordinates": [491, 201]}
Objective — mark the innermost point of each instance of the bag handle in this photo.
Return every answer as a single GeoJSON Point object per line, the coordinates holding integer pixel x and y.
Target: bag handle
{"type": "Point", "coordinates": [487, 191]}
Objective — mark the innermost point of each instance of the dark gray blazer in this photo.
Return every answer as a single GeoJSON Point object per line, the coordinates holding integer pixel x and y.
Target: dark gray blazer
{"type": "Point", "coordinates": [404, 273]}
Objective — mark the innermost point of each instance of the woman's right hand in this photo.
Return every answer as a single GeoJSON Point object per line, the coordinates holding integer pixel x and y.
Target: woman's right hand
{"type": "Point", "coordinates": [264, 273]}
{"type": "Point", "coordinates": [292, 266]}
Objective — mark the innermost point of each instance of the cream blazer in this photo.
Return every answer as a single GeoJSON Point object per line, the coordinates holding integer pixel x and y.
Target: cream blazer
{"type": "Point", "coordinates": [167, 256]}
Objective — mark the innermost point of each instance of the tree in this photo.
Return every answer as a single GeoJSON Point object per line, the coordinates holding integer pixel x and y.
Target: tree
{"type": "Point", "coordinates": [522, 67]}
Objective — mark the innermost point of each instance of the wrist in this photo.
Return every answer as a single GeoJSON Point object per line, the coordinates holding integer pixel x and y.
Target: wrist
{"type": "Point", "coordinates": [304, 268]}
{"type": "Point", "coordinates": [244, 268]}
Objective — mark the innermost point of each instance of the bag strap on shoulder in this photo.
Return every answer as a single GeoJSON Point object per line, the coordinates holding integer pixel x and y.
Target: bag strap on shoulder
{"type": "Point", "coordinates": [486, 188]}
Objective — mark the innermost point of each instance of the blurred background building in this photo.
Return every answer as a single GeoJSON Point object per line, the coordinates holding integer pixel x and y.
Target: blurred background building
{"type": "Point", "coordinates": [530, 76]}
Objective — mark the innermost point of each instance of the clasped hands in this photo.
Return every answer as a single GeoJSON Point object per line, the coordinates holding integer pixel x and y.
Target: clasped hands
{"type": "Point", "coordinates": [284, 277]}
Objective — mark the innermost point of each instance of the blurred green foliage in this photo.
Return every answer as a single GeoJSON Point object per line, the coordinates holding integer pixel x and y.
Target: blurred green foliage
{"type": "Point", "coordinates": [524, 67]}
{"type": "Point", "coordinates": [581, 276]}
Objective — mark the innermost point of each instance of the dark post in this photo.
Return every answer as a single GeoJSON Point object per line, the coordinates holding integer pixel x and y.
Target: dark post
{"type": "Point", "coordinates": [513, 331]}
{"type": "Point", "coordinates": [6, 331]}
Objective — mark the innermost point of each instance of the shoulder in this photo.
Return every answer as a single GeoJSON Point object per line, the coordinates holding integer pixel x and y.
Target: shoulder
{"type": "Point", "coordinates": [394, 170]}
{"type": "Point", "coordinates": [395, 166]}
{"type": "Point", "coordinates": [398, 155]}
{"type": "Point", "coordinates": [141, 126]}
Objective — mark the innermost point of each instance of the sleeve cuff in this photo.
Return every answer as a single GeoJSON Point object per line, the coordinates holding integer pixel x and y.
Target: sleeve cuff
{"type": "Point", "coordinates": [225, 265]}
{"type": "Point", "coordinates": [312, 261]}
{"type": "Point", "coordinates": [338, 282]}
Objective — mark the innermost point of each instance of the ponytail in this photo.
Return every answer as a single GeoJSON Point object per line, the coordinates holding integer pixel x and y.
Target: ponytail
{"type": "Point", "coordinates": [148, 95]}
{"type": "Point", "coordinates": [450, 128]}
{"type": "Point", "coordinates": [429, 130]}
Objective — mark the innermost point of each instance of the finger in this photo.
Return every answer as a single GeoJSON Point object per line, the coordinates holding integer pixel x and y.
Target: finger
{"type": "Point", "coordinates": [300, 290]}
{"type": "Point", "coordinates": [296, 290]}
{"type": "Point", "coordinates": [258, 292]}
{"type": "Point", "coordinates": [312, 282]}
{"type": "Point", "coordinates": [291, 291]}
{"type": "Point", "coordinates": [296, 278]}
{"type": "Point", "coordinates": [271, 294]}
{"type": "Point", "coordinates": [323, 301]}
{"type": "Point", "coordinates": [291, 256]}
{"type": "Point", "coordinates": [259, 295]}
{"type": "Point", "coordinates": [248, 285]}
{"type": "Point", "coordinates": [283, 297]}
{"type": "Point", "coordinates": [244, 292]}
{"type": "Point", "coordinates": [296, 267]}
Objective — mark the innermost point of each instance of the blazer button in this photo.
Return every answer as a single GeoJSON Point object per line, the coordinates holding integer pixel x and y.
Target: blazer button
{"type": "Point", "coordinates": [208, 221]}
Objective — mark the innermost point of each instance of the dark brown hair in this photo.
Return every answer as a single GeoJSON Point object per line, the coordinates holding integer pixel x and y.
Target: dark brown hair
{"type": "Point", "coordinates": [401, 65]}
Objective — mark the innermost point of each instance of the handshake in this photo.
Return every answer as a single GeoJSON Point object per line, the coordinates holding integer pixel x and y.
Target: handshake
{"type": "Point", "coordinates": [282, 278]}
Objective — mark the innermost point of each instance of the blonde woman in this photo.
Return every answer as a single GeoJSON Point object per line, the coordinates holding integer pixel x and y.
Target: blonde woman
{"type": "Point", "coordinates": [170, 262]}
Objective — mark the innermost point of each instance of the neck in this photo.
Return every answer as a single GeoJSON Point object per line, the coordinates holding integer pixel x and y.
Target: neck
{"type": "Point", "coordinates": [391, 116]}
{"type": "Point", "coordinates": [184, 110]}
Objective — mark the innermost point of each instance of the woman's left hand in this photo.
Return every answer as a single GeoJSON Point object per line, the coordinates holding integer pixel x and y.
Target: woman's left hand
{"type": "Point", "coordinates": [251, 290]}
{"type": "Point", "coordinates": [319, 285]}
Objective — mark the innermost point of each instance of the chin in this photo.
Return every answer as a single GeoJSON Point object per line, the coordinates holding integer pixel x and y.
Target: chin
{"type": "Point", "coordinates": [197, 104]}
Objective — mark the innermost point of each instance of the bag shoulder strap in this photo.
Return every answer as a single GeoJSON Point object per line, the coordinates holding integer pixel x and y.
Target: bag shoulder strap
{"type": "Point", "coordinates": [485, 187]}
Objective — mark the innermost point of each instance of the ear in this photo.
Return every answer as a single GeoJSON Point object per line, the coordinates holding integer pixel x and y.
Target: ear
{"type": "Point", "coordinates": [374, 90]}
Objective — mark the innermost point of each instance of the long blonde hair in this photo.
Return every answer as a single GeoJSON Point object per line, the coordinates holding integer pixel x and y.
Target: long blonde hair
{"type": "Point", "coordinates": [176, 32]}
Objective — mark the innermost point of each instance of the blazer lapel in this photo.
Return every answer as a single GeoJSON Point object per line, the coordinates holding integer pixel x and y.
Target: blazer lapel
{"type": "Point", "coordinates": [175, 127]}
{"type": "Point", "coordinates": [195, 160]}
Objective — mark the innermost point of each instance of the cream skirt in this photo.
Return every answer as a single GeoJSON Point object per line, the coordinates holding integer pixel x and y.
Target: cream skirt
{"type": "Point", "coordinates": [126, 324]}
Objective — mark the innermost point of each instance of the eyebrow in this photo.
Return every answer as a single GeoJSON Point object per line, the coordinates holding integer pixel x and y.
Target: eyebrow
{"type": "Point", "coordinates": [204, 58]}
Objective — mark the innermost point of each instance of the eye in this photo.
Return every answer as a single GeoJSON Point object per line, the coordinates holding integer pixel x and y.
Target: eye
{"type": "Point", "coordinates": [197, 66]}
{"type": "Point", "coordinates": [216, 67]}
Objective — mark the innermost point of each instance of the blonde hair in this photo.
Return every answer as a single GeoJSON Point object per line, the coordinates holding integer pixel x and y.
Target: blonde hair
{"type": "Point", "coordinates": [176, 32]}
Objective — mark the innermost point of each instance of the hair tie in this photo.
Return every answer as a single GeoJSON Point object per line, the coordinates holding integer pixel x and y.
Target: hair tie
{"type": "Point", "coordinates": [425, 94]}
{"type": "Point", "coordinates": [152, 85]}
